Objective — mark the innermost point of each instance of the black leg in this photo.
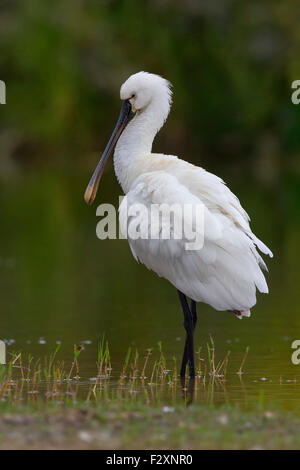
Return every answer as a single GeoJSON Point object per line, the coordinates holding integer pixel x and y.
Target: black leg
{"type": "Point", "coordinates": [190, 319]}
{"type": "Point", "coordinates": [184, 362]}
{"type": "Point", "coordinates": [193, 312]}
{"type": "Point", "coordinates": [184, 359]}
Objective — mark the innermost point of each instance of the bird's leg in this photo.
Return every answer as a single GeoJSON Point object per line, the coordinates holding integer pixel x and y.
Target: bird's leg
{"type": "Point", "coordinates": [182, 298]}
{"type": "Point", "coordinates": [193, 311]}
{"type": "Point", "coordinates": [190, 319]}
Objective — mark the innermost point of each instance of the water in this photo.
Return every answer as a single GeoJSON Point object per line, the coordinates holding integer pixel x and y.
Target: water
{"type": "Point", "coordinates": [59, 283]}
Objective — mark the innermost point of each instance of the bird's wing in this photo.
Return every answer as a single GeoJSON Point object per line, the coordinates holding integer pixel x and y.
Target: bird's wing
{"type": "Point", "coordinates": [223, 273]}
{"type": "Point", "coordinates": [212, 191]}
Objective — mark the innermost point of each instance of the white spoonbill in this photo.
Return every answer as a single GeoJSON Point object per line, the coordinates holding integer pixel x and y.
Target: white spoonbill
{"type": "Point", "coordinates": [226, 271]}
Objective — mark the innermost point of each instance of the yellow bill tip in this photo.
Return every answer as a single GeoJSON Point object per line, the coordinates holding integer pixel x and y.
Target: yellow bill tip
{"type": "Point", "coordinates": [89, 195]}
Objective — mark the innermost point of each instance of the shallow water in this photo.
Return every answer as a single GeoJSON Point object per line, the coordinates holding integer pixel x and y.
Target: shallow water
{"type": "Point", "coordinates": [59, 283]}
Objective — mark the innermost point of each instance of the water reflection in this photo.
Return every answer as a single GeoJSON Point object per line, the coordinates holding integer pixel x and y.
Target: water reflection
{"type": "Point", "coordinates": [52, 380]}
{"type": "Point", "coordinates": [188, 390]}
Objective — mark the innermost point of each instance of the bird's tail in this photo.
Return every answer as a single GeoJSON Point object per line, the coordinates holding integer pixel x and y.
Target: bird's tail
{"type": "Point", "coordinates": [241, 313]}
{"type": "Point", "coordinates": [261, 246]}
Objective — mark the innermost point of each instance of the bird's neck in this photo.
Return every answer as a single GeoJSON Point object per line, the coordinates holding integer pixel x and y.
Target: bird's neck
{"type": "Point", "coordinates": [135, 144]}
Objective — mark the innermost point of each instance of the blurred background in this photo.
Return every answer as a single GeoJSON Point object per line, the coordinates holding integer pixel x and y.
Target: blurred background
{"type": "Point", "coordinates": [231, 64]}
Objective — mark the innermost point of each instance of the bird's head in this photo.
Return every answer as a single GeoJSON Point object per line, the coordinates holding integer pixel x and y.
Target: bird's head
{"type": "Point", "coordinates": [143, 89]}
{"type": "Point", "coordinates": [140, 92]}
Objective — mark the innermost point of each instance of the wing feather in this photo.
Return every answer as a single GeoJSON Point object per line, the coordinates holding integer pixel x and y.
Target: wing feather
{"type": "Point", "coordinates": [227, 270]}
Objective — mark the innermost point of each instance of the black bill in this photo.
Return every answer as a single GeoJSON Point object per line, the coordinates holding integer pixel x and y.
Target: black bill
{"type": "Point", "coordinates": [126, 115]}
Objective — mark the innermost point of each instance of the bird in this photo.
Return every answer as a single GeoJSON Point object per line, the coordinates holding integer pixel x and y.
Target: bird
{"type": "Point", "coordinates": [226, 270]}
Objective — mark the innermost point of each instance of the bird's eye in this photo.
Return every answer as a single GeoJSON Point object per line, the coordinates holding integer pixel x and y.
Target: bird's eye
{"type": "Point", "coordinates": [133, 95]}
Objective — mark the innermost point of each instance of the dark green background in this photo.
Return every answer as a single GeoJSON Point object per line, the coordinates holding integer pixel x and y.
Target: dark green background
{"type": "Point", "coordinates": [231, 64]}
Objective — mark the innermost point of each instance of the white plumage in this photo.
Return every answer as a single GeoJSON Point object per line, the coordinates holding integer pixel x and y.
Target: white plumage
{"type": "Point", "coordinates": [224, 269]}
{"type": "Point", "coordinates": [227, 270]}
